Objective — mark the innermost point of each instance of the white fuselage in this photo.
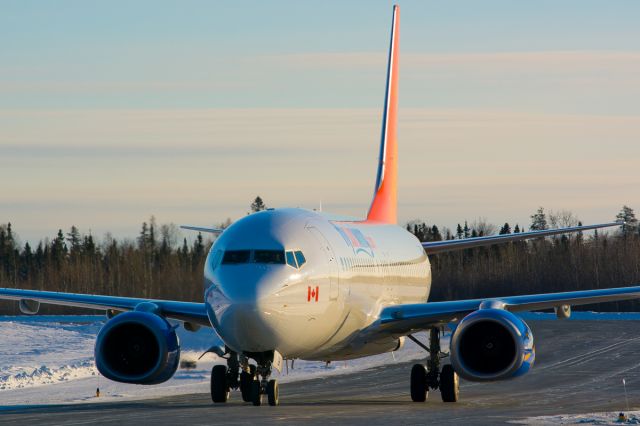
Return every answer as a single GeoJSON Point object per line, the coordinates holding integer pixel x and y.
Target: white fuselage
{"type": "Point", "coordinates": [351, 271]}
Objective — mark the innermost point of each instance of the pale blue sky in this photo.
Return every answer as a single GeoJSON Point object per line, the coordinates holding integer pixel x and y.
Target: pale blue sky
{"type": "Point", "coordinates": [113, 111]}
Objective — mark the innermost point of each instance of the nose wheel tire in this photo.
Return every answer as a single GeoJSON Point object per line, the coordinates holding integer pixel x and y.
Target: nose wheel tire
{"type": "Point", "coordinates": [449, 384]}
{"type": "Point", "coordinates": [256, 393]}
{"type": "Point", "coordinates": [219, 388]}
{"type": "Point", "coordinates": [272, 393]}
{"type": "Point", "coordinates": [419, 390]}
{"type": "Point", "coordinates": [246, 379]}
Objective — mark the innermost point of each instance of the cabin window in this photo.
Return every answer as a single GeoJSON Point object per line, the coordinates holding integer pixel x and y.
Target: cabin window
{"type": "Point", "coordinates": [234, 257]}
{"type": "Point", "coordinates": [269, 256]}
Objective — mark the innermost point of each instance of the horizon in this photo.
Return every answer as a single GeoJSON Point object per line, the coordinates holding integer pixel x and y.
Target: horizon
{"type": "Point", "coordinates": [181, 235]}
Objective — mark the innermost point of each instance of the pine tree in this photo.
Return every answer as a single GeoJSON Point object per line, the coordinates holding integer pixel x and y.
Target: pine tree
{"type": "Point", "coordinates": [466, 229]}
{"type": "Point", "coordinates": [73, 237]}
{"type": "Point", "coordinates": [8, 253]}
{"type": "Point", "coordinates": [10, 242]}
{"type": "Point", "coordinates": [143, 239]}
{"type": "Point", "coordinates": [151, 242]}
{"type": "Point", "coordinates": [257, 205]}
{"type": "Point", "coordinates": [459, 232]}
{"type": "Point", "coordinates": [184, 253]}
{"type": "Point", "coordinates": [26, 262]}
{"type": "Point", "coordinates": [435, 234]}
{"type": "Point", "coordinates": [88, 246]}
{"type": "Point", "coordinates": [58, 249]}
{"type": "Point", "coordinates": [197, 253]}
{"type": "Point", "coordinates": [39, 257]}
{"type": "Point", "coordinates": [539, 220]}
{"type": "Point", "coordinates": [3, 241]}
{"type": "Point", "coordinates": [579, 236]}
{"type": "Point", "coordinates": [627, 216]}
{"type": "Point", "coordinates": [506, 229]}
{"type": "Point", "coordinates": [516, 230]}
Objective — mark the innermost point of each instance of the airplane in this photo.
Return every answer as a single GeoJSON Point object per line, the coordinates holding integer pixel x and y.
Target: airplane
{"type": "Point", "coordinates": [290, 283]}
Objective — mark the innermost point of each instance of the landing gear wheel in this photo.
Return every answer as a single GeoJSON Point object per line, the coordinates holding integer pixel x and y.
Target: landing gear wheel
{"type": "Point", "coordinates": [272, 393]}
{"type": "Point", "coordinates": [219, 387]}
{"type": "Point", "coordinates": [246, 379]}
{"type": "Point", "coordinates": [419, 390]}
{"type": "Point", "coordinates": [256, 394]}
{"type": "Point", "coordinates": [449, 384]}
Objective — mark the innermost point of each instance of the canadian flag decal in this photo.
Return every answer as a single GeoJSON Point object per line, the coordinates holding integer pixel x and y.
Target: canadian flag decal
{"type": "Point", "coordinates": [312, 293]}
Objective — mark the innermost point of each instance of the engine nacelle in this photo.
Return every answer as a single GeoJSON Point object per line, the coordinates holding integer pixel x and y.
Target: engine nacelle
{"type": "Point", "coordinates": [137, 347]}
{"type": "Point", "coordinates": [492, 344]}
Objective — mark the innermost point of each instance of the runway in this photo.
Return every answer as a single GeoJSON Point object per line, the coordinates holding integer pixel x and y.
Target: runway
{"type": "Point", "coordinates": [579, 368]}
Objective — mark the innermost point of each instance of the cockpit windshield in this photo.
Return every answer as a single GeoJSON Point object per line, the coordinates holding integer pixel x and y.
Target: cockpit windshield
{"type": "Point", "coordinates": [269, 256]}
{"type": "Point", "coordinates": [233, 257]}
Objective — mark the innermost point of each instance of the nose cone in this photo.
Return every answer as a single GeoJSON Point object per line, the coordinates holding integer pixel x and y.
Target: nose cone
{"type": "Point", "coordinates": [248, 327]}
{"type": "Point", "coordinates": [244, 306]}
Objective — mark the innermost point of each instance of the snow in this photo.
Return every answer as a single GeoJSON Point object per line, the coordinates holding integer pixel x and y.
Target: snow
{"type": "Point", "coordinates": [582, 315]}
{"type": "Point", "coordinates": [49, 360]}
{"type": "Point", "coordinates": [607, 418]}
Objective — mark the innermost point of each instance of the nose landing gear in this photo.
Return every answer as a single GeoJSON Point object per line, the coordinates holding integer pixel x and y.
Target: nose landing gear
{"type": "Point", "coordinates": [247, 377]}
{"type": "Point", "coordinates": [432, 377]}
{"type": "Point", "coordinates": [253, 381]}
{"type": "Point", "coordinates": [264, 386]}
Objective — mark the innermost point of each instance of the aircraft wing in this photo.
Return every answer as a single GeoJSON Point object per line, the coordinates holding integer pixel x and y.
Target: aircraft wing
{"type": "Point", "coordinates": [184, 311]}
{"type": "Point", "coordinates": [405, 319]}
{"type": "Point", "coordinates": [433, 247]}
{"type": "Point", "coordinates": [203, 229]}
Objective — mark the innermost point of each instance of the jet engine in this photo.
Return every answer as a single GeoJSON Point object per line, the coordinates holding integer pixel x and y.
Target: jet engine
{"type": "Point", "coordinates": [492, 344]}
{"type": "Point", "coordinates": [137, 347]}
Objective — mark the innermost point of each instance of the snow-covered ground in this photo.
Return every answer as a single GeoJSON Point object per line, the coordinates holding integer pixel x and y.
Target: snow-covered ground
{"type": "Point", "coordinates": [632, 418]}
{"type": "Point", "coordinates": [49, 360]}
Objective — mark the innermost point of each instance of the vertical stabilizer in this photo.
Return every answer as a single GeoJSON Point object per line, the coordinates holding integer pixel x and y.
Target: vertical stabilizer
{"type": "Point", "coordinates": [385, 194]}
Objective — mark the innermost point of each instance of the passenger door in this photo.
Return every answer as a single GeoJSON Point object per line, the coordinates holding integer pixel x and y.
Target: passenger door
{"type": "Point", "coordinates": [331, 261]}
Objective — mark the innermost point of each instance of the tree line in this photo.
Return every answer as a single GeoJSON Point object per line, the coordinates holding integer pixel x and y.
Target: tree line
{"type": "Point", "coordinates": [157, 265]}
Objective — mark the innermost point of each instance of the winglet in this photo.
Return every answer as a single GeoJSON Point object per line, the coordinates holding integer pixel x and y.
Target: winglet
{"type": "Point", "coordinates": [385, 196]}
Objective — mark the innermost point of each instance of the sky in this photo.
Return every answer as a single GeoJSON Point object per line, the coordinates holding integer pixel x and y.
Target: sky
{"type": "Point", "coordinates": [114, 111]}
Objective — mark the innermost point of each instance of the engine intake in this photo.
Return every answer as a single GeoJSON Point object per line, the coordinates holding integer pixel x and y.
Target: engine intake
{"type": "Point", "coordinates": [492, 344]}
{"type": "Point", "coordinates": [137, 347]}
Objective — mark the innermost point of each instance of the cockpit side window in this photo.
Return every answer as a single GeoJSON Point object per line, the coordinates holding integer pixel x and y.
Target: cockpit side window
{"type": "Point", "coordinates": [216, 259]}
{"type": "Point", "coordinates": [300, 258]}
{"type": "Point", "coordinates": [291, 260]}
{"type": "Point", "coordinates": [234, 257]}
{"type": "Point", "coordinates": [269, 256]}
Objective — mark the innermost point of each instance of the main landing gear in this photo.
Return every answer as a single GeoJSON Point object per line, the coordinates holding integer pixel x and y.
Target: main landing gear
{"type": "Point", "coordinates": [432, 377]}
{"type": "Point", "coordinates": [253, 381]}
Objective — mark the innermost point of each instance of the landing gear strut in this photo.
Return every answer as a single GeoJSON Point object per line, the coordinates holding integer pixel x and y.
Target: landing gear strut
{"type": "Point", "coordinates": [432, 377]}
